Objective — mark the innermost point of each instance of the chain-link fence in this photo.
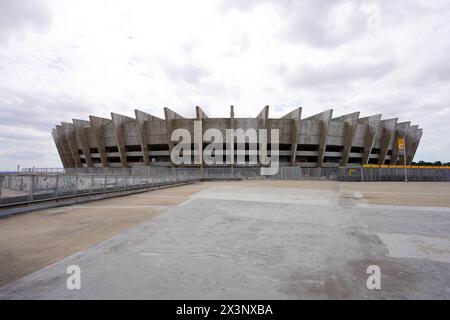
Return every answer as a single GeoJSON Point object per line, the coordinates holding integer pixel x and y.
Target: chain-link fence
{"type": "Point", "coordinates": [298, 173]}
{"type": "Point", "coordinates": [393, 174]}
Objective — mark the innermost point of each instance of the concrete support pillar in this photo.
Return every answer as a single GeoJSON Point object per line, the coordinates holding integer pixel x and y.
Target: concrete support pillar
{"type": "Point", "coordinates": [350, 122]}
{"type": "Point", "coordinates": [325, 119]}
{"type": "Point", "coordinates": [264, 115]}
{"type": "Point", "coordinates": [411, 151]}
{"type": "Point", "coordinates": [65, 147]}
{"type": "Point", "coordinates": [142, 119]}
{"type": "Point", "coordinates": [373, 126]}
{"type": "Point", "coordinates": [81, 127]}
{"type": "Point", "coordinates": [296, 116]}
{"type": "Point", "coordinates": [69, 131]}
{"type": "Point", "coordinates": [401, 130]}
{"type": "Point", "coordinates": [199, 113]}
{"type": "Point", "coordinates": [387, 137]}
{"type": "Point", "coordinates": [97, 125]}
{"type": "Point", "coordinates": [169, 116]}
{"type": "Point", "coordinates": [62, 154]}
{"type": "Point", "coordinates": [119, 122]}
{"type": "Point", "coordinates": [230, 149]}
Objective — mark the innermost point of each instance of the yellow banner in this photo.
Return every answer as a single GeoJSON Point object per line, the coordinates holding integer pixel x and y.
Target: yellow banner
{"type": "Point", "coordinates": [401, 144]}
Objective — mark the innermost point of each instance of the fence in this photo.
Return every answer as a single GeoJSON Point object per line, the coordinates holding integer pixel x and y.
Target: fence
{"type": "Point", "coordinates": [123, 171]}
{"type": "Point", "coordinates": [298, 173]}
{"type": "Point", "coordinates": [15, 188]}
{"type": "Point", "coordinates": [393, 174]}
{"type": "Point", "coordinates": [25, 188]}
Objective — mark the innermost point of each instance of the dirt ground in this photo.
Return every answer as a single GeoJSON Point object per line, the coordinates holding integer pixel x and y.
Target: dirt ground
{"type": "Point", "coordinates": [423, 194]}
{"type": "Point", "coordinates": [29, 242]}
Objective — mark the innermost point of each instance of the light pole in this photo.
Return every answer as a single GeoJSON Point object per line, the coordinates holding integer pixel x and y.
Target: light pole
{"type": "Point", "coordinates": [401, 146]}
{"type": "Point", "coordinates": [404, 162]}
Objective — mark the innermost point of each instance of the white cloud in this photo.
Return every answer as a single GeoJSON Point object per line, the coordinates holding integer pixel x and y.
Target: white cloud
{"type": "Point", "coordinates": [62, 59]}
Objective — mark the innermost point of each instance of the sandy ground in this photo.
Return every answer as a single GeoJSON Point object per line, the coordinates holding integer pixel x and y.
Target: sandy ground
{"type": "Point", "coordinates": [28, 242]}
{"type": "Point", "coordinates": [423, 194]}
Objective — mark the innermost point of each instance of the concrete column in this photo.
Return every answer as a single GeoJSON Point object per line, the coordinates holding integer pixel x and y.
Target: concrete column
{"type": "Point", "coordinates": [231, 148]}
{"type": "Point", "coordinates": [350, 122]}
{"type": "Point", "coordinates": [200, 114]}
{"type": "Point", "coordinates": [264, 115]}
{"type": "Point", "coordinates": [387, 137]}
{"type": "Point", "coordinates": [119, 122]}
{"type": "Point", "coordinates": [80, 132]}
{"type": "Point", "coordinates": [97, 125]}
{"type": "Point", "coordinates": [413, 147]}
{"type": "Point", "coordinates": [325, 119]}
{"type": "Point", "coordinates": [373, 126]}
{"type": "Point", "coordinates": [401, 129]}
{"type": "Point", "coordinates": [1, 186]}
{"type": "Point", "coordinates": [69, 130]}
{"type": "Point", "coordinates": [142, 119]}
{"type": "Point", "coordinates": [169, 116]}
{"type": "Point", "coordinates": [65, 147]}
{"type": "Point", "coordinates": [62, 154]}
{"type": "Point", "coordinates": [296, 116]}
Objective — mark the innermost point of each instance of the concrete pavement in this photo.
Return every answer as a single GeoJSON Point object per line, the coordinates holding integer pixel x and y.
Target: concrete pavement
{"type": "Point", "coordinates": [235, 241]}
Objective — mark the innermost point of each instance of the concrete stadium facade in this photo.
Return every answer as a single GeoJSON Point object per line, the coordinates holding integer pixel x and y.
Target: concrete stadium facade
{"type": "Point", "coordinates": [316, 141]}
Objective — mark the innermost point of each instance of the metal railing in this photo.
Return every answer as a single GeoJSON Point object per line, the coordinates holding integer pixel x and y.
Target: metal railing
{"type": "Point", "coordinates": [25, 188]}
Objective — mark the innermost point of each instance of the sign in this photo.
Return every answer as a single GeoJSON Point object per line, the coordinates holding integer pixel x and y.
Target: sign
{"type": "Point", "coordinates": [401, 143]}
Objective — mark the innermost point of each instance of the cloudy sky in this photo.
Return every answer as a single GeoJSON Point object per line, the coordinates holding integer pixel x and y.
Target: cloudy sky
{"type": "Point", "coordinates": [61, 60]}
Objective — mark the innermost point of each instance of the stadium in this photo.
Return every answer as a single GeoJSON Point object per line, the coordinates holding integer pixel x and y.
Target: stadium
{"type": "Point", "coordinates": [318, 141]}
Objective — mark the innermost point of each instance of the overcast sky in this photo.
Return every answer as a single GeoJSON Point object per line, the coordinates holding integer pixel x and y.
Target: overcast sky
{"type": "Point", "coordinates": [61, 60]}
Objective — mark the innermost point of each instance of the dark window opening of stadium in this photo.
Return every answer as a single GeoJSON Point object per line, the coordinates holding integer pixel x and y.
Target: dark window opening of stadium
{"type": "Point", "coordinates": [135, 159]}
{"type": "Point", "coordinates": [332, 159]}
{"type": "Point", "coordinates": [285, 159]}
{"type": "Point", "coordinates": [356, 149]}
{"type": "Point", "coordinates": [307, 147]}
{"type": "Point", "coordinates": [133, 148]}
{"type": "Point", "coordinates": [355, 160]}
{"type": "Point", "coordinates": [307, 159]}
{"type": "Point", "coordinates": [158, 147]}
{"type": "Point", "coordinates": [331, 148]}
{"type": "Point", "coordinates": [112, 149]}
{"type": "Point", "coordinates": [160, 159]}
